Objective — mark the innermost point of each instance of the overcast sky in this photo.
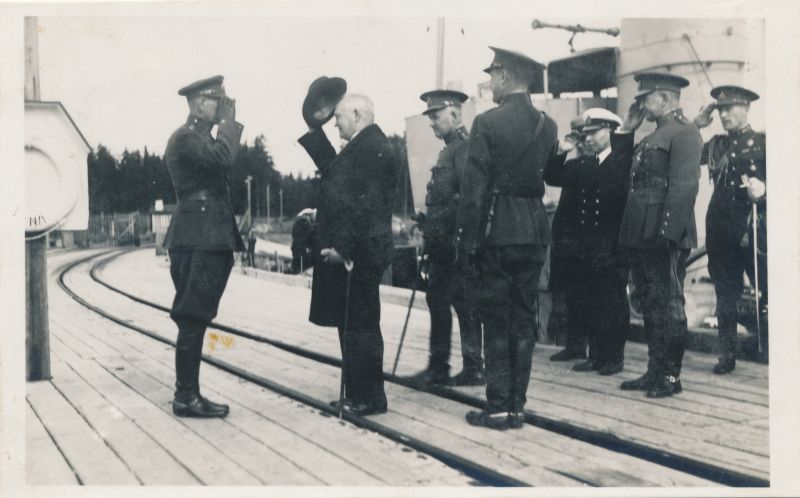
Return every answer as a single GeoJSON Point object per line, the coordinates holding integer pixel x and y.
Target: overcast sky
{"type": "Point", "coordinates": [118, 76]}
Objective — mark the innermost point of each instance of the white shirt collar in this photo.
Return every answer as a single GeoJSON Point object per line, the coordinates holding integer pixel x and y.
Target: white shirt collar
{"type": "Point", "coordinates": [604, 154]}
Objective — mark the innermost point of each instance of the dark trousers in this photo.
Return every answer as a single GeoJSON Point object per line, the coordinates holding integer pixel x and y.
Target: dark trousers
{"type": "Point", "coordinates": [362, 355]}
{"type": "Point", "coordinates": [447, 287]}
{"type": "Point", "coordinates": [658, 275]}
{"type": "Point", "coordinates": [728, 261]}
{"type": "Point", "coordinates": [509, 278]}
{"type": "Point", "coordinates": [598, 305]}
{"type": "Point", "coordinates": [200, 278]}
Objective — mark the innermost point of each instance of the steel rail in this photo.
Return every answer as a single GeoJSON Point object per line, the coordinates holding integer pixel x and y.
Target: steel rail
{"type": "Point", "coordinates": [480, 473]}
{"type": "Point", "coordinates": [606, 440]}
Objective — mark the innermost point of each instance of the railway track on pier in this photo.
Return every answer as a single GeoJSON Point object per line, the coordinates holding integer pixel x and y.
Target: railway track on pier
{"type": "Point", "coordinates": [482, 474]}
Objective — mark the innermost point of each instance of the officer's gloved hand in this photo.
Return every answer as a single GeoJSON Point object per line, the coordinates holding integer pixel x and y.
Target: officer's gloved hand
{"type": "Point", "coordinates": [226, 109]}
{"type": "Point", "coordinates": [424, 266]}
{"type": "Point", "coordinates": [567, 143]}
{"type": "Point", "coordinates": [704, 118]}
{"type": "Point", "coordinates": [634, 117]}
{"type": "Point", "coordinates": [756, 189]}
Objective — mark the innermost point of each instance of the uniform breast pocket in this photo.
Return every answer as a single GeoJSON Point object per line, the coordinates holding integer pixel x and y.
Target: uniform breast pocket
{"type": "Point", "coordinates": [656, 158]}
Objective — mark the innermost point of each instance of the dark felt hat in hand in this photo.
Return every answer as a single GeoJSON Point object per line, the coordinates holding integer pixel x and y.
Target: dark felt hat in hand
{"type": "Point", "coordinates": [321, 99]}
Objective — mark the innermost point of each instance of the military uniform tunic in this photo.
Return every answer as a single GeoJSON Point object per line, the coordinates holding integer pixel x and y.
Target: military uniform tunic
{"type": "Point", "coordinates": [658, 228]}
{"type": "Point", "coordinates": [596, 269]}
{"type": "Point", "coordinates": [447, 286]}
{"type": "Point", "coordinates": [202, 234]}
{"type": "Point", "coordinates": [505, 162]}
{"type": "Point", "coordinates": [729, 236]}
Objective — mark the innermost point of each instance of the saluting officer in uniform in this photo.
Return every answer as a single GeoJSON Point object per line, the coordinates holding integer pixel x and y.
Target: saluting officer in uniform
{"type": "Point", "coordinates": [446, 286]}
{"type": "Point", "coordinates": [596, 295]}
{"type": "Point", "coordinates": [562, 267]}
{"type": "Point", "coordinates": [737, 166]}
{"type": "Point", "coordinates": [658, 225]}
{"type": "Point", "coordinates": [202, 234]}
{"type": "Point", "coordinates": [503, 228]}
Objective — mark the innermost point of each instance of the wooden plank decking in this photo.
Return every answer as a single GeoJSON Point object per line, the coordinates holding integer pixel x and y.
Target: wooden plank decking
{"type": "Point", "coordinates": [114, 385]}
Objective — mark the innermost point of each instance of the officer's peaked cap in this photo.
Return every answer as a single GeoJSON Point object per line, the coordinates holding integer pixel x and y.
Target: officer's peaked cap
{"type": "Point", "coordinates": [439, 99]}
{"type": "Point", "coordinates": [650, 82]}
{"type": "Point", "coordinates": [208, 87]}
{"type": "Point", "coordinates": [732, 94]}
{"type": "Point", "coordinates": [510, 59]}
{"type": "Point", "coordinates": [597, 118]}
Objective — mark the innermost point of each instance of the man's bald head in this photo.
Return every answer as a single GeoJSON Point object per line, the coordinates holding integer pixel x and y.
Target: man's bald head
{"type": "Point", "coordinates": [353, 113]}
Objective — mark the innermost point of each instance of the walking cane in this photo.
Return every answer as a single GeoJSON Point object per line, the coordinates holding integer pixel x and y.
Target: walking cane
{"type": "Point", "coordinates": [348, 265]}
{"type": "Point", "coordinates": [405, 325]}
{"type": "Point", "coordinates": [755, 271]}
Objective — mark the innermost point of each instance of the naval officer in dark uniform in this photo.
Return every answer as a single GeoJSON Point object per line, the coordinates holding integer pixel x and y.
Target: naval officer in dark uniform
{"type": "Point", "coordinates": [658, 226]}
{"type": "Point", "coordinates": [446, 286]}
{"type": "Point", "coordinates": [354, 226]}
{"type": "Point", "coordinates": [502, 228]}
{"type": "Point", "coordinates": [596, 296]}
{"type": "Point", "coordinates": [563, 273]}
{"type": "Point", "coordinates": [737, 166]}
{"type": "Point", "coordinates": [202, 234]}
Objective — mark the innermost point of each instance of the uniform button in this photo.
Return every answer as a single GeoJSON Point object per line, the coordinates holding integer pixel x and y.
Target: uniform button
{"type": "Point", "coordinates": [667, 214]}
{"type": "Point", "coordinates": [631, 189]}
{"type": "Point", "coordinates": [583, 211]}
{"type": "Point", "coordinates": [753, 167]}
{"type": "Point", "coordinates": [584, 201]}
{"type": "Point", "coordinates": [597, 201]}
{"type": "Point", "coordinates": [595, 223]}
{"type": "Point", "coordinates": [735, 142]}
{"type": "Point", "coordinates": [733, 154]}
{"type": "Point", "coordinates": [665, 222]}
{"type": "Point", "coordinates": [732, 183]}
{"type": "Point", "coordinates": [597, 212]}
{"type": "Point", "coordinates": [662, 231]}
{"type": "Point", "coordinates": [203, 208]}
{"type": "Point", "coordinates": [583, 222]}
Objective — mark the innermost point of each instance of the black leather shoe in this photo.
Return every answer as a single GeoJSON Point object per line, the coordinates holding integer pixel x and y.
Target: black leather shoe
{"type": "Point", "coordinates": [469, 378]}
{"type": "Point", "coordinates": [516, 420]}
{"type": "Point", "coordinates": [586, 366]}
{"type": "Point", "coordinates": [725, 365]}
{"type": "Point", "coordinates": [568, 354]}
{"type": "Point", "coordinates": [196, 406]}
{"type": "Point", "coordinates": [668, 386]}
{"type": "Point", "coordinates": [611, 368]}
{"type": "Point", "coordinates": [643, 383]}
{"type": "Point", "coordinates": [497, 421]}
{"type": "Point", "coordinates": [429, 377]}
{"type": "Point", "coordinates": [364, 409]}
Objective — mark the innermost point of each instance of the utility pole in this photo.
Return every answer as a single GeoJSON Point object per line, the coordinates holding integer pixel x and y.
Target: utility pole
{"type": "Point", "coordinates": [280, 194]}
{"type": "Point", "coordinates": [439, 52]}
{"type": "Point", "coordinates": [37, 326]}
{"type": "Point", "coordinates": [268, 215]}
{"type": "Point", "coordinates": [248, 181]}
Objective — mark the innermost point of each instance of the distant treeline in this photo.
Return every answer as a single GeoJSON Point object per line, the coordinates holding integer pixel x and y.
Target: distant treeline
{"type": "Point", "coordinates": [134, 181]}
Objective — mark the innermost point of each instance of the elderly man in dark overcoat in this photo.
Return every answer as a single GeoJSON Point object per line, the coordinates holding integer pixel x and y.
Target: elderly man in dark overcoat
{"type": "Point", "coordinates": [202, 234]}
{"type": "Point", "coordinates": [354, 217]}
{"type": "Point", "coordinates": [596, 294]}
